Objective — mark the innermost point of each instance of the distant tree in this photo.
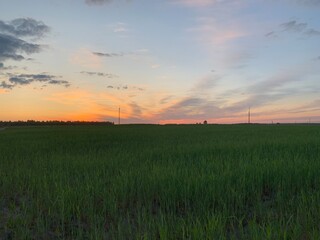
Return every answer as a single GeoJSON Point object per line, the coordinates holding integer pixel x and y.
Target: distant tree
{"type": "Point", "coordinates": [205, 122]}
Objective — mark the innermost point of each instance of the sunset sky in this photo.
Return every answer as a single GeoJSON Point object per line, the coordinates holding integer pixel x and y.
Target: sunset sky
{"type": "Point", "coordinates": [160, 61]}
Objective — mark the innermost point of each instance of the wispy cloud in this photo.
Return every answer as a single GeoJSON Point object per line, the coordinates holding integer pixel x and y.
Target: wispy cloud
{"type": "Point", "coordinates": [312, 32]}
{"type": "Point", "coordinates": [212, 31]}
{"type": "Point", "coordinates": [271, 34]}
{"type": "Point", "coordinates": [273, 88]}
{"type": "Point", "coordinates": [26, 79]}
{"type": "Point", "coordinates": [120, 28]}
{"type": "Point", "coordinates": [101, 2]}
{"type": "Point", "coordinates": [191, 108]}
{"type": "Point", "coordinates": [307, 3]}
{"type": "Point", "coordinates": [201, 3]}
{"type": "Point", "coordinates": [99, 74]}
{"type": "Point", "coordinates": [231, 104]}
{"type": "Point", "coordinates": [135, 53]}
{"type": "Point", "coordinates": [294, 27]}
{"type": "Point", "coordinates": [206, 83]}
{"type": "Point", "coordinates": [165, 99]}
{"type": "Point", "coordinates": [109, 55]}
{"type": "Point", "coordinates": [125, 87]}
{"type": "Point", "coordinates": [197, 105]}
{"type": "Point", "coordinates": [97, 2]}
{"type": "Point", "coordinates": [155, 66]}
{"type": "Point", "coordinates": [3, 67]}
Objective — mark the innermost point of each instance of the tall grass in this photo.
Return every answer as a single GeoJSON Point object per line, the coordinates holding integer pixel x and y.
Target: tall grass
{"type": "Point", "coordinates": [160, 182]}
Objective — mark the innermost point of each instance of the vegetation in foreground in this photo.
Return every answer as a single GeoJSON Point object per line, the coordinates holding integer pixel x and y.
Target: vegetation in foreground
{"type": "Point", "coordinates": [160, 182]}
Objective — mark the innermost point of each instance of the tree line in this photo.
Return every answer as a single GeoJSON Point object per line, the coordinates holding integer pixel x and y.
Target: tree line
{"type": "Point", "coordinates": [52, 123]}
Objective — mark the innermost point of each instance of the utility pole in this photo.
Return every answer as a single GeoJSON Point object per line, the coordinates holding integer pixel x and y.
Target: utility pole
{"type": "Point", "coordinates": [119, 117]}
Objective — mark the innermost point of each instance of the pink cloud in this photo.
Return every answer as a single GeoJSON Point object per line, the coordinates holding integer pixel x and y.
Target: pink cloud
{"type": "Point", "coordinates": [213, 32]}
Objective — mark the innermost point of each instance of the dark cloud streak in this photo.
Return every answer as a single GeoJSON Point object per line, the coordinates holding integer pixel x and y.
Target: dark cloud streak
{"type": "Point", "coordinates": [99, 74]}
{"type": "Point", "coordinates": [26, 79]}
{"type": "Point", "coordinates": [97, 2]}
{"type": "Point", "coordinates": [100, 2]}
{"type": "Point", "coordinates": [293, 26]}
{"type": "Point", "coordinates": [99, 54]}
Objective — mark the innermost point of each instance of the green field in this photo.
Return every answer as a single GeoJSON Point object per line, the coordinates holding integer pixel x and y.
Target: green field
{"type": "Point", "coordinates": [160, 182]}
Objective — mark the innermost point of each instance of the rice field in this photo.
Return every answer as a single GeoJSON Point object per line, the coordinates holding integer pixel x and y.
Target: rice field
{"type": "Point", "coordinates": [160, 182]}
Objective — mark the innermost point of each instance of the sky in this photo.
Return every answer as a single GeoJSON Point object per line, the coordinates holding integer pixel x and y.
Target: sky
{"type": "Point", "coordinates": [161, 61]}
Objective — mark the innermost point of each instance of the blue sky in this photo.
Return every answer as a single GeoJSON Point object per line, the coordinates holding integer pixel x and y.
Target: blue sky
{"type": "Point", "coordinates": [179, 61]}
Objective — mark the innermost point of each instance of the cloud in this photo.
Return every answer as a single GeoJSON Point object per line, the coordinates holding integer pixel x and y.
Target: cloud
{"type": "Point", "coordinates": [133, 54]}
{"type": "Point", "coordinates": [108, 54]}
{"type": "Point", "coordinates": [269, 34]}
{"type": "Point", "coordinates": [120, 28]}
{"type": "Point", "coordinates": [20, 80]}
{"type": "Point", "coordinates": [125, 87]}
{"type": "Point", "coordinates": [97, 2]}
{"type": "Point", "coordinates": [274, 88]}
{"type": "Point", "coordinates": [26, 79]}
{"type": "Point", "coordinates": [312, 32]}
{"type": "Point", "coordinates": [191, 108]}
{"type": "Point", "coordinates": [119, 87]}
{"type": "Point", "coordinates": [309, 3]}
{"type": "Point", "coordinates": [214, 32]}
{"type": "Point", "coordinates": [5, 85]}
{"type": "Point", "coordinates": [206, 83]}
{"type": "Point", "coordinates": [2, 67]}
{"type": "Point", "coordinates": [231, 104]}
{"type": "Point", "coordinates": [101, 2]}
{"type": "Point", "coordinates": [165, 99]}
{"type": "Point", "coordinates": [136, 110]}
{"type": "Point", "coordinates": [24, 27]}
{"type": "Point", "coordinates": [12, 47]}
{"type": "Point", "coordinates": [197, 105]}
{"type": "Point", "coordinates": [99, 74]}
{"type": "Point", "coordinates": [59, 82]}
{"type": "Point", "coordinates": [293, 26]}
{"type": "Point", "coordinates": [198, 3]}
